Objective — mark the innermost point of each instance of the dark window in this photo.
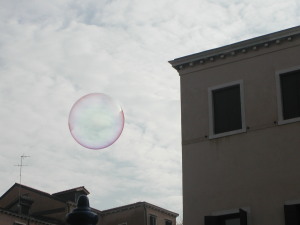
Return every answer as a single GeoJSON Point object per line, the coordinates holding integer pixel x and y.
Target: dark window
{"type": "Point", "coordinates": [290, 94]}
{"type": "Point", "coordinates": [239, 218]}
{"type": "Point", "coordinates": [227, 115]}
{"type": "Point", "coordinates": [168, 222]}
{"type": "Point", "coordinates": [152, 220]}
{"type": "Point", "coordinates": [292, 214]}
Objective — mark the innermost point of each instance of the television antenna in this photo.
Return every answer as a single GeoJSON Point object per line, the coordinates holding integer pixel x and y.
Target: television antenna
{"type": "Point", "coordinates": [22, 157]}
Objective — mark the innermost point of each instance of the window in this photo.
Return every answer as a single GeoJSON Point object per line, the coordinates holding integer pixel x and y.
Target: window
{"type": "Point", "coordinates": [226, 109]}
{"type": "Point", "coordinates": [168, 222]}
{"type": "Point", "coordinates": [288, 89]}
{"type": "Point", "coordinates": [18, 223]}
{"type": "Point", "coordinates": [152, 220]}
{"type": "Point", "coordinates": [238, 218]}
{"type": "Point", "coordinates": [292, 214]}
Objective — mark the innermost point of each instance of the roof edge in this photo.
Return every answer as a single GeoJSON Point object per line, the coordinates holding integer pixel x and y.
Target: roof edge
{"type": "Point", "coordinates": [81, 188]}
{"type": "Point", "coordinates": [151, 206]}
{"type": "Point", "coordinates": [232, 49]}
{"type": "Point", "coordinates": [138, 204]}
{"type": "Point", "coordinates": [24, 217]}
{"type": "Point", "coordinates": [17, 185]}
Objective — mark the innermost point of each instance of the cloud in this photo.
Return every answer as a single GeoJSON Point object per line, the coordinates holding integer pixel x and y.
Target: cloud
{"type": "Point", "coordinates": [54, 53]}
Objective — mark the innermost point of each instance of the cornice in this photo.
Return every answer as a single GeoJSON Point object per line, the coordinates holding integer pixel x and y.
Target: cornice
{"type": "Point", "coordinates": [16, 187]}
{"type": "Point", "coordinates": [161, 210]}
{"type": "Point", "coordinates": [136, 205]}
{"type": "Point", "coordinates": [121, 208]}
{"type": "Point", "coordinates": [77, 189]}
{"type": "Point", "coordinates": [24, 217]}
{"type": "Point", "coordinates": [236, 49]}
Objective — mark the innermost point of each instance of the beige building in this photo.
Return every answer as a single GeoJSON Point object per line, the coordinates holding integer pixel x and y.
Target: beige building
{"type": "Point", "coordinates": [240, 108]}
{"type": "Point", "coordinates": [9, 218]}
{"type": "Point", "coordinates": [22, 205]}
{"type": "Point", "coordinates": [140, 213]}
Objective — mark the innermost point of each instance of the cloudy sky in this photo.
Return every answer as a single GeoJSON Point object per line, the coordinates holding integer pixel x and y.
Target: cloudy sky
{"type": "Point", "coordinates": [54, 52]}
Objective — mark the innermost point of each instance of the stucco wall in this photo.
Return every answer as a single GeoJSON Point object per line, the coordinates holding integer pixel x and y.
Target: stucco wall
{"type": "Point", "coordinates": [132, 216]}
{"type": "Point", "coordinates": [258, 169]}
{"type": "Point", "coordinates": [161, 217]}
{"type": "Point", "coordinates": [8, 219]}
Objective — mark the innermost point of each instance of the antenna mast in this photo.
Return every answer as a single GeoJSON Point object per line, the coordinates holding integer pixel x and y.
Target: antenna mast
{"type": "Point", "coordinates": [21, 165]}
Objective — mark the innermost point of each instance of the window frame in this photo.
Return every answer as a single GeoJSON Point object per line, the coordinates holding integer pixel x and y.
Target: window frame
{"type": "Point", "coordinates": [166, 221]}
{"type": "Point", "coordinates": [281, 120]}
{"type": "Point", "coordinates": [18, 223]}
{"type": "Point", "coordinates": [287, 213]}
{"type": "Point", "coordinates": [155, 219]}
{"type": "Point", "coordinates": [222, 216]}
{"type": "Point", "coordinates": [212, 135]}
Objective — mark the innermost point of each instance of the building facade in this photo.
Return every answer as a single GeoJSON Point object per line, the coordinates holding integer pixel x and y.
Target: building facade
{"type": "Point", "coordinates": [22, 205]}
{"type": "Point", "coordinates": [140, 213]}
{"type": "Point", "coordinates": [240, 109]}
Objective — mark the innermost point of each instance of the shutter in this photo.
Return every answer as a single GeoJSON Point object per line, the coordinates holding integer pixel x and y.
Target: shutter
{"type": "Point", "coordinates": [211, 220]}
{"type": "Point", "coordinates": [152, 220]}
{"type": "Point", "coordinates": [290, 94]}
{"type": "Point", "coordinates": [227, 109]}
{"type": "Point", "coordinates": [243, 217]}
{"type": "Point", "coordinates": [291, 213]}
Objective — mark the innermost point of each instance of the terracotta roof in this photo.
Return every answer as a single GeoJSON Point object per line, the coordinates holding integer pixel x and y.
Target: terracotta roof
{"type": "Point", "coordinates": [138, 204]}
{"type": "Point", "coordinates": [53, 196]}
{"type": "Point", "coordinates": [16, 185]}
{"type": "Point", "coordinates": [82, 188]}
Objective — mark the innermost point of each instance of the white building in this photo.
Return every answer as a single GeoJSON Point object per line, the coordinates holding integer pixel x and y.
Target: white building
{"type": "Point", "coordinates": [240, 107]}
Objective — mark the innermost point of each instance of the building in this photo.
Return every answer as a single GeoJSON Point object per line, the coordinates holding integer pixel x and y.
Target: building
{"type": "Point", "coordinates": [240, 108]}
{"type": "Point", "coordinates": [140, 213]}
{"type": "Point", "coordinates": [22, 205]}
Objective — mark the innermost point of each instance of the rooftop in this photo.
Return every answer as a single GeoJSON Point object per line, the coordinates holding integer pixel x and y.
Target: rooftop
{"type": "Point", "coordinates": [138, 204]}
{"type": "Point", "coordinates": [77, 189]}
{"type": "Point", "coordinates": [235, 49]}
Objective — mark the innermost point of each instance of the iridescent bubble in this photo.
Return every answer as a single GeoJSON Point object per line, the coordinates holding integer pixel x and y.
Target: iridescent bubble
{"type": "Point", "coordinates": [96, 121]}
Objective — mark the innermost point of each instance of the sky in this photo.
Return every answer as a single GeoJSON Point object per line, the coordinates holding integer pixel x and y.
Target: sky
{"type": "Point", "coordinates": [54, 52]}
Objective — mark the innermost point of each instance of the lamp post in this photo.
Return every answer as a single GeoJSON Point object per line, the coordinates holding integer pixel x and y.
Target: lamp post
{"type": "Point", "coordinates": [82, 215]}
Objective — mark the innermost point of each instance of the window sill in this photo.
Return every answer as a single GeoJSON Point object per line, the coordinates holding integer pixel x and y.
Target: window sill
{"type": "Point", "coordinates": [233, 132]}
{"type": "Point", "coordinates": [293, 120]}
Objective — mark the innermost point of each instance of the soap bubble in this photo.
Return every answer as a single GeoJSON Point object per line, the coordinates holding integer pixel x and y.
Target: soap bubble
{"type": "Point", "coordinates": [96, 121]}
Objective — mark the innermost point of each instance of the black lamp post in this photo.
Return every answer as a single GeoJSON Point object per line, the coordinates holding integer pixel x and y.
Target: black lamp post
{"type": "Point", "coordinates": [82, 215]}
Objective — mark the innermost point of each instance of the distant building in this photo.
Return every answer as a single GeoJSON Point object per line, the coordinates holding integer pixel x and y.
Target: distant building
{"type": "Point", "coordinates": [140, 213]}
{"type": "Point", "coordinates": [240, 110]}
{"type": "Point", "coordinates": [36, 207]}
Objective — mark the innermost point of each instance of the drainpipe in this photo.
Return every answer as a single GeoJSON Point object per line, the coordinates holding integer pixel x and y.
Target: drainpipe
{"type": "Point", "coordinates": [145, 214]}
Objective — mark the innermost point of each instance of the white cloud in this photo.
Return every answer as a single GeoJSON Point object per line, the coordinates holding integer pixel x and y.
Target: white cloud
{"type": "Point", "coordinates": [53, 53]}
